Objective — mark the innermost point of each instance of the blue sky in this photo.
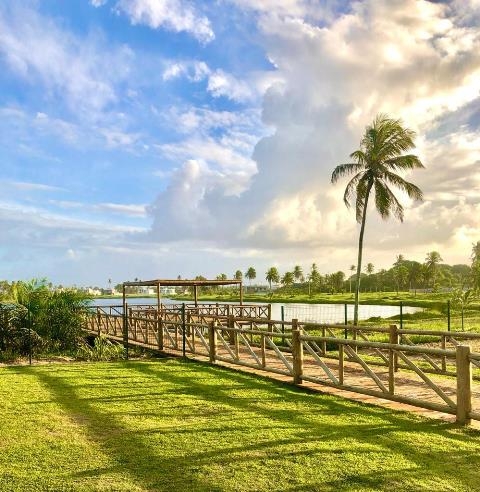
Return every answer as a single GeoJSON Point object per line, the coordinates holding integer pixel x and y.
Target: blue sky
{"type": "Point", "coordinates": [151, 138]}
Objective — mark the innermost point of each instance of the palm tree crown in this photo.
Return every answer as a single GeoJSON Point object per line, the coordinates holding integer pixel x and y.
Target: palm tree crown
{"type": "Point", "coordinates": [375, 167]}
{"type": "Point", "coordinates": [272, 276]}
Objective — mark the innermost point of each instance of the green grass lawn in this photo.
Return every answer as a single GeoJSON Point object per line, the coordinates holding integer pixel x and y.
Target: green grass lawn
{"type": "Point", "coordinates": [169, 425]}
{"type": "Point", "coordinates": [424, 300]}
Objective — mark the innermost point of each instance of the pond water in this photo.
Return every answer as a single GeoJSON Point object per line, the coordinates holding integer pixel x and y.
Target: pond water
{"type": "Point", "coordinates": [320, 313]}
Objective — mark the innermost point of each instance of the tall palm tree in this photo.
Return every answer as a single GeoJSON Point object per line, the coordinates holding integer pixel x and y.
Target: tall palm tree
{"type": "Point", "coordinates": [380, 156]}
{"type": "Point", "coordinates": [238, 275]}
{"type": "Point", "coordinates": [313, 277]}
{"type": "Point", "coordinates": [476, 251]}
{"type": "Point", "coordinates": [475, 270]}
{"type": "Point", "coordinates": [272, 276]}
{"type": "Point", "coordinates": [251, 274]}
{"type": "Point", "coordinates": [370, 269]}
{"type": "Point", "coordinates": [297, 272]}
{"type": "Point", "coordinates": [431, 261]}
{"type": "Point", "coordinates": [287, 280]}
{"type": "Point", "coordinates": [352, 269]}
{"type": "Point", "coordinates": [400, 260]}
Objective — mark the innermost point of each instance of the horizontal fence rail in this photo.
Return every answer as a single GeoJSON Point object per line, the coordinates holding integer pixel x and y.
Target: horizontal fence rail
{"type": "Point", "coordinates": [427, 369]}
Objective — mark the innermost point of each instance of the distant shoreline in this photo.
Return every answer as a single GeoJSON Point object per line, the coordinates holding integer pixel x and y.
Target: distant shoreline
{"type": "Point", "coordinates": [423, 300]}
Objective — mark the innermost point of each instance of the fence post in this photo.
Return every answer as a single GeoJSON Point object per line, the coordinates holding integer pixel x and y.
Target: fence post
{"type": "Point", "coordinates": [212, 340]}
{"type": "Point", "coordinates": [464, 384]}
{"type": "Point", "coordinates": [237, 347]}
{"type": "Point", "coordinates": [401, 315]}
{"type": "Point", "coordinates": [125, 329]}
{"type": "Point", "coordinates": [297, 352]}
{"type": "Point", "coordinates": [269, 310]}
{"type": "Point", "coordinates": [444, 359]}
{"type": "Point", "coordinates": [394, 340]}
{"type": "Point", "coordinates": [341, 356]}
{"type": "Point", "coordinates": [184, 340]}
{"type": "Point", "coordinates": [263, 350]}
{"type": "Point", "coordinates": [160, 333]}
{"type": "Point", "coordinates": [448, 315]}
{"type": "Point", "coordinates": [29, 337]}
{"type": "Point", "coordinates": [345, 313]}
{"type": "Point", "coordinates": [231, 324]}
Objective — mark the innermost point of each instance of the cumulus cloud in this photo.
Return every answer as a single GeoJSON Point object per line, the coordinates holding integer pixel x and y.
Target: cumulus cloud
{"type": "Point", "coordinates": [416, 60]}
{"type": "Point", "coordinates": [174, 15]}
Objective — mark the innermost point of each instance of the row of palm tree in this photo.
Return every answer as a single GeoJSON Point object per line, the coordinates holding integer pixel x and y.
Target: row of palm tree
{"type": "Point", "coordinates": [404, 273]}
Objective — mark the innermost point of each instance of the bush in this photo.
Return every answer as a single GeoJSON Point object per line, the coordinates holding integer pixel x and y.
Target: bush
{"type": "Point", "coordinates": [61, 319]}
{"type": "Point", "coordinates": [103, 350]}
{"type": "Point", "coordinates": [15, 337]}
{"type": "Point", "coordinates": [56, 318]}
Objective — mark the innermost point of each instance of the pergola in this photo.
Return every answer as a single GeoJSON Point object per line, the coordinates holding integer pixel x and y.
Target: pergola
{"type": "Point", "coordinates": [158, 283]}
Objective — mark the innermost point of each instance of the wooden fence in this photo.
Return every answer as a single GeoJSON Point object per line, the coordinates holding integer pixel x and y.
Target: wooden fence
{"type": "Point", "coordinates": [371, 361]}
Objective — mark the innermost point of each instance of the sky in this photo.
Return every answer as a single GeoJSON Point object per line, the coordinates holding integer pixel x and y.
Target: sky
{"type": "Point", "coordinates": [155, 138]}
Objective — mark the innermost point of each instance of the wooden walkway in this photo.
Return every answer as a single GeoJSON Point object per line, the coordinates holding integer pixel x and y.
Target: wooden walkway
{"type": "Point", "coordinates": [407, 382]}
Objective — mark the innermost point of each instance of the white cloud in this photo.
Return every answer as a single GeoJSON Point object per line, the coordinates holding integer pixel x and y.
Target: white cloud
{"type": "Point", "coordinates": [133, 210]}
{"type": "Point", "coordinates": [98, 3]}
{"type": "Point", "coordinates": [219, 82]}
{"type": "Point", "coordinates": [26, 186]}
{"type": "Point", "coordinates": [41, 52]}
{"type": "Point", "coordinates": [413, 59]}
{"type": "Point", "coordinates": [195, 71]}
{"type": "Point", "coordinates": [173, 15]}
{"type": "Point", "coordinates": [224, 84]}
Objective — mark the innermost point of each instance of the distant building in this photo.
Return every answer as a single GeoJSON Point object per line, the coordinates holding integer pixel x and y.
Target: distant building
{"type": "Point", "coordinates": [93, 292]}
{"type": "Point", "coordinates": [168, 291]}
{"type": "Point", "coordinates": [147, 291]}
{"type": "Point", "coordinates": [109, 292]}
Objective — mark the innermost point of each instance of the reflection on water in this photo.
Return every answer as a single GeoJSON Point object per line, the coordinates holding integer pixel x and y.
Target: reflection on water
{"type": "Point", "coordinates": [320, 313]}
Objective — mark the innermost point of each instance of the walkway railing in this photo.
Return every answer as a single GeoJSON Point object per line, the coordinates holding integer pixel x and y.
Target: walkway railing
{"type": "Point", "coordinates": [380, 362]}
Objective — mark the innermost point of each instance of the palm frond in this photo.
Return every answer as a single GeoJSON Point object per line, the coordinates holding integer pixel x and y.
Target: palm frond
{"type": "Point", "coordinates": [344, 170]}
{"type": "Point", "coordinates": [412, 190]}
{"type": "Point", "coordinates": [404, 162]}
{"type": "Point", "coordinates": [387, 138]}
{"type": "Point", "coordinates": [360, 157]}
{"type": "Point", "coordinates": [362, 192]}
{"type": "Point", "coordinates": [351, 189]}
{"type": "Point", "coordinates": [386, 202]}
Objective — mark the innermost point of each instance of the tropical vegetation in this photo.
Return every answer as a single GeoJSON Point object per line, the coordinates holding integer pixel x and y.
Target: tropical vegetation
{"type": "Point", "coordinates": [34, 316]}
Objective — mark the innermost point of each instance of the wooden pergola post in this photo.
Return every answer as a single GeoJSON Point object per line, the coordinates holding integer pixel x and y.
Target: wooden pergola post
{"type": "Point", "coordinates": [195, 294]}
{"type": "Point", "coordinates": [125, 322]}
{"type": "Point", "coordinates": [159, 297]}
{"type": "Point", "coordinates": [241, 293]}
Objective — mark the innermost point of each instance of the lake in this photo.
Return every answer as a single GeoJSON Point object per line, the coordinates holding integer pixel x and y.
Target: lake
{"type": "Point", "coordinates": [320, 313]}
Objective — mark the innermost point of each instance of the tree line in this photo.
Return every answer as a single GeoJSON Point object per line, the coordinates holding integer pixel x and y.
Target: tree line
{"type": "Point", "coordinates": [404, 274]}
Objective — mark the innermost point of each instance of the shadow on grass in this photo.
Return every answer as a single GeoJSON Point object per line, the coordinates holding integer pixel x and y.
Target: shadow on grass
{"type": "Point", "coordinates": [327, 433]}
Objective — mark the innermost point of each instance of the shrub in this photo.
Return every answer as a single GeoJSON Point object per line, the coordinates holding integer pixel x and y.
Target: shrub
{"type": "Point", "coordinates": [103, 350]}
{"type": "Point", "coordinates": [55, 317]}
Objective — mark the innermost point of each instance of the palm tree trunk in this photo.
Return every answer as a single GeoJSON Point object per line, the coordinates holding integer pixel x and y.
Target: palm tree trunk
{"type": "Point", "coordinates": [360, 252]}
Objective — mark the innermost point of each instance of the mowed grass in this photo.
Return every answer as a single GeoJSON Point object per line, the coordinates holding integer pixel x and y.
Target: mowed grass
{"type": "Point", "coordinates": [169, 425]}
